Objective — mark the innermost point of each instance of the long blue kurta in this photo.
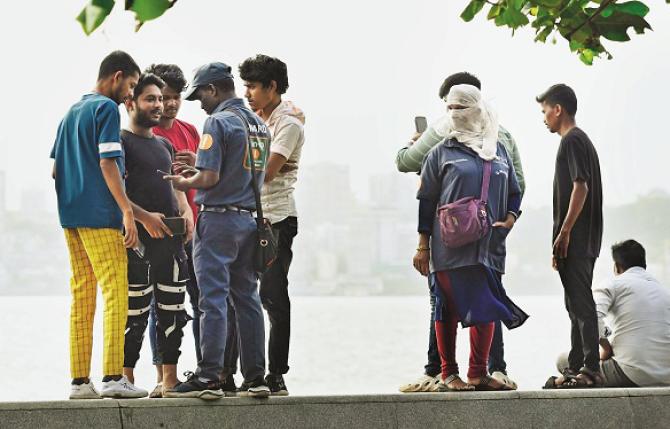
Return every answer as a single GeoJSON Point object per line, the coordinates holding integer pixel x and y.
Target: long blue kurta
{"type": "Point", "coordinates": [450, 172]}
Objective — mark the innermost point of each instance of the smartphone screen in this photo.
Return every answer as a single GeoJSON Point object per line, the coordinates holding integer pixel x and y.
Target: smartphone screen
{"type": "Point", "coordinates": [420, 123]}
{"type": "Point", "coordinates": [176, 224]}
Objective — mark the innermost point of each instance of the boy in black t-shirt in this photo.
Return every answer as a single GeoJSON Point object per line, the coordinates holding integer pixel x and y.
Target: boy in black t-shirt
{"type": "Point", "coordinates": [577, 235]}
{"type": "Point", "coordinates": [157, 275]}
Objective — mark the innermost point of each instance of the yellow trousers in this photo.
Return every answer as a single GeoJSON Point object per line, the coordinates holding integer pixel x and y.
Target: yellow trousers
{"type": "Point", "coordinates": [97, 256]}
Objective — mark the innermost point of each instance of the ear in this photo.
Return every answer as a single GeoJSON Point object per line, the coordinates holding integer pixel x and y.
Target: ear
{"type": "Point", "coordinates": [273, 86]}
{"type": "Point", "coordinates": [558, 110]}
{"type": "Point", "coordinates": [118, 76]}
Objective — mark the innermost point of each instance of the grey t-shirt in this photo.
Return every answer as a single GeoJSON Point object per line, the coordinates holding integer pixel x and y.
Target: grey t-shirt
{"type": "Point", "coordinates": [224, 148]}
{"type": "Point", "coordinates": [450, 172]}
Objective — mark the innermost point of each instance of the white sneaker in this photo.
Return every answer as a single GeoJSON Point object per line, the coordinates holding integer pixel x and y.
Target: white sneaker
{"type": "Point", "coordinates": [122, 388]}
{"type": "Point", "coordinates": [84, 391]}
{"type": "Point", "coordinates": [504, 379]}
{"type": "Point", "coordinates": [425, 383]}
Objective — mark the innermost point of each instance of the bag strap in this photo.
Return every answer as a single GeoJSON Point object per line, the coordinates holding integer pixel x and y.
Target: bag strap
{"type": "Point", "coordinates": [486, 180]}
{"type": "Point", "coordinates": [254, 183]}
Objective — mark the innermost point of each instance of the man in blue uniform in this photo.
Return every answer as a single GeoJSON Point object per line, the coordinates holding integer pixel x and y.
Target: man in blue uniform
{"type": "Point", "coordinates": [225, 236]}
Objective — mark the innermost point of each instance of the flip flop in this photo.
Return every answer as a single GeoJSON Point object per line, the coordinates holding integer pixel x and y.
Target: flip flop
{"type": "Point", "coordinates": [486, 385]}
{"type": "Point", "coordinates": [444, 385]}
{"type": "Point", "coordinates": [423, 384]}
{"type": "Point", "coordinates": [587, 375]}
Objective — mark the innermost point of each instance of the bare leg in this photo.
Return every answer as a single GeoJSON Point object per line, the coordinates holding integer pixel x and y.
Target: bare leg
{"type": "Point", "coordinates": [170, 379]}
{"type": "Point", "coordinates": [159, 374]}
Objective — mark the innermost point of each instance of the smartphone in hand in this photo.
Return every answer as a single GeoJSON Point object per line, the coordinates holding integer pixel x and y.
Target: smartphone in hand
{"type": "Point", "coordinates": [420, 123]}
{"type": "Point", "coordinates": [176, 224]}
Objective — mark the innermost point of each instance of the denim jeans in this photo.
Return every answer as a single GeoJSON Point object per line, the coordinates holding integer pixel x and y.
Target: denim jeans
{"type": "Point", "coordinates": [223, 252]}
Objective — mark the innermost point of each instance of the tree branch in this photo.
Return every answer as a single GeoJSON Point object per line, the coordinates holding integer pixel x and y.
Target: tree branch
{"type": "Point", "coordinates": [602, 7]}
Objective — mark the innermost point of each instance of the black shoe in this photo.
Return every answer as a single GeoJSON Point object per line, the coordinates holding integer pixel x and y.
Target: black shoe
{"type": "Point", "coordinates": [194, 388]}
{"type": "Point", "coordinates": [256, 388]}
{"type": "Point", "coordinates": [228, 386]}
{"type": "Point", "coordinates": [276, 384]}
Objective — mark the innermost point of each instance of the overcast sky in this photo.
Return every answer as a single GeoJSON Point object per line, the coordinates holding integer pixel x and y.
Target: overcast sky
{"type": "Point", "coordinates": [360, 70]}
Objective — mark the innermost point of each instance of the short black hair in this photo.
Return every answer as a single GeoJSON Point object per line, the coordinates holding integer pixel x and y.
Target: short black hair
{"type": "Point", "coordinates": [118, 61]}
{"type": "Point", "coordinates": [265, 69]}
{"type": "Point", "coordinates": [628, 254]}
{"type": "Point", "coordinates": [461, 78]}
{"type": "Point", "coordinates": [171, 74]}
{"type": "Point", "coordinates": [147, 79]}
{"type": "Point", "coordinates": [224, 85]}
{"type": "Point", "coordinates": [560, 94]}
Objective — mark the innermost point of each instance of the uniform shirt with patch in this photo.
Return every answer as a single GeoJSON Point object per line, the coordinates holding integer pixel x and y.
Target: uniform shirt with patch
{"type": "Point", "coordinates": [88, 132]}
{"type": "Point", "coordinates": [224, 148]}
{"type": "Point", "coordinates": [577, 160]}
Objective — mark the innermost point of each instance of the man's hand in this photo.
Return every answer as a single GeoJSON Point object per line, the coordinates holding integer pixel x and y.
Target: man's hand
{"type": "Point", "coordinates": [188, 220]}
{"type": "Point", "coordinates": [183, 169]}
{"type": "Point", "coordinates": [180, 183]}
{"type": "Point", "coordinates": [130, 230]}
{"type": "Point", "coordinates": [508, 223]}
{"type": "Point", "coordinates": [416, 136]}
{"type": "Point", "coordinates": [421, 261]}
{"type": "Point", "coordinates": [606, 350]}
{"type": "Point", "coordinates": [153, 223]}
{"type": "Point", "coordinates": [561, 244]}
{"type": "Point", "coordinates": [185, 156]}
{"type": "Point", "coordinates": [288, 167]}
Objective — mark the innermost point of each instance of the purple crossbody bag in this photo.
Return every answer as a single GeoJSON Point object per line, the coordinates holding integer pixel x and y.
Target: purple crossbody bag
{"type": "Point", "coordinates": [466, 220]}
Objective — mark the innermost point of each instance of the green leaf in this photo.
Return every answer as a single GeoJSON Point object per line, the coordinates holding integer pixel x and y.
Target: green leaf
{"type": "Point", "coordinates": [513, 18]}
{"type": "Point", "coordinates": [469, 12]}
{"type": "Point", "coordinates": [575, 46]}
{"type": "Point", "coordinates": [632, 8]}
{"type": "Point", "coordinates": [518, 4]}
{"type": "Point", "coordinates": [587, 57]}
{"type": "Point", "coordinates": [146, 10]}
{"type": "Point", "coordinates": [551, 4]}
{"type": "Point", "coordinates": [616, 26]}
{"type": "Point", "coordinates": [542, 35]}
{"type": "Point", "coordinates": [495, 11]}
{"type": "Point", "coordinates": [608, 11]}
{"type": "Point", "coordinates": [94, 14]}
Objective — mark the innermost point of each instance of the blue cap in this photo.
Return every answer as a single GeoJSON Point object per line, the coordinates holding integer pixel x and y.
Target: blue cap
{"type": "Point", "coordinates": [205, 75]}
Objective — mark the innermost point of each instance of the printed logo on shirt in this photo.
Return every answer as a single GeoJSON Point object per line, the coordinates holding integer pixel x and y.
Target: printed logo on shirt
{"type": "Point", "coordinates": [206, 142]}
{"type": "Point", "coordinates": [259, 152]}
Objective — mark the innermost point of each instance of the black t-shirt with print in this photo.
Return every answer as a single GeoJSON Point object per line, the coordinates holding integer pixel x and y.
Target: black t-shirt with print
{"type": "Point", "coordinates": [577, 160]}
{"type": "Point", "coordinates": [144, 185]}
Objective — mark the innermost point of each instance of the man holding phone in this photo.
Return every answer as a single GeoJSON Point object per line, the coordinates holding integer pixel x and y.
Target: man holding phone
{"type": "Point", "coordinates": [159, 273]}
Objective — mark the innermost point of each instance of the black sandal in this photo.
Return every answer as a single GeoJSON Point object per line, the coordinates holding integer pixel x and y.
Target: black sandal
{"type": "Point", "coordinates": [568, 377]}
{"type": "Point", "coordinates": [486, 384]}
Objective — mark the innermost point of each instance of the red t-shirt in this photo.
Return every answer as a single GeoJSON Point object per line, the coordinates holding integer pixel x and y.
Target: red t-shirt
{"type": "Point", "coordinates": [182, 136]}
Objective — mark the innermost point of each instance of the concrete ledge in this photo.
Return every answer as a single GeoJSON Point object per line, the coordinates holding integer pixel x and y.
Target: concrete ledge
{"type": "Point", "coordinates": [602, 408]}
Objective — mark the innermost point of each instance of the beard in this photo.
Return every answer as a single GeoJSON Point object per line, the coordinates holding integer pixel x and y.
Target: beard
{"type": "Point", "coordinates": [145, 120]}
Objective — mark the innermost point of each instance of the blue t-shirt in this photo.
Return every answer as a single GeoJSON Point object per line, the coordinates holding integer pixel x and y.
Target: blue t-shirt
{"type": "Point", "coordinates": [224, 148]}
{"type": "Point", "coordinates": [88, 132]}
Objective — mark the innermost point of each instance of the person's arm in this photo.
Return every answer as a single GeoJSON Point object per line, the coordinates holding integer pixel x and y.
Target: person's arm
{"type": "Point", "coordinates": [604, 297]}
{"type": "Point", "coordinates": [513, 196]}
{"type": "Point", "coordinates": [409, 159]}
{"type": "Point", "coordinates": [284, 143]}
{"type": "Point", "coordinates": [428, 196]}
{"type": "Point", "coordinates": [577, 199]}
{"type": "Point", "coordinates": [112, 176]}
{"type": "Point", "coordinates": [513, 150]}
{"type": "Point", "coordinates": [185, 212]}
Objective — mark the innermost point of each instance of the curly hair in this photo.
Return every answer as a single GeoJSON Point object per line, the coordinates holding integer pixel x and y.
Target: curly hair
{"type": "Point", "coordinates": [265, 69]}
{"type": "Point", "coordinates": [171, 74]}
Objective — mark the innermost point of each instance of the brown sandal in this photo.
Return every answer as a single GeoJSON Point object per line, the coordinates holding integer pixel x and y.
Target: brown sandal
{"type": "Point", "coordinates": [443, 386]}
{"type": "Point", "coordinates": [487, 384]}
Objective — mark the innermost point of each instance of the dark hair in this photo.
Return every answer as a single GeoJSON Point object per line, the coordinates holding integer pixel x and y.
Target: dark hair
{"type": "Point", "coordinates": [560, 94]}
{"type": "Point", "coordinates": [147, 79]}
{"type": "Point", "coordinates": [629, 254]}
{"type": "Point", "coordinates": [265, 69]}
{"type": "Point", "coordinates": [224, 85]}
{"type": "Point", "coordinates": [118, 61]}
{"type": "Point", "coordinates": [171, 75]}
{"type": "Point", "coordinates": [462, 78]}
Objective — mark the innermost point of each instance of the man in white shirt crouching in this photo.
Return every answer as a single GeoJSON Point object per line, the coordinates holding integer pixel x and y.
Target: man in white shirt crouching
{"type": "Point", "coordinates": [636, 351]}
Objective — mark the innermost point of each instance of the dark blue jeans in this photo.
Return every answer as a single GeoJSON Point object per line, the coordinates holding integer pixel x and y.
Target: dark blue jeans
{"type": "Point", "coordinates": [496, 355]}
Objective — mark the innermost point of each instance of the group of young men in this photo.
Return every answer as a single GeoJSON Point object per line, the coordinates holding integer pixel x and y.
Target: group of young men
{"type": "Point", "coordinates": [635, 304]}
{"type": "Point", "coordinates": [155, 212]}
